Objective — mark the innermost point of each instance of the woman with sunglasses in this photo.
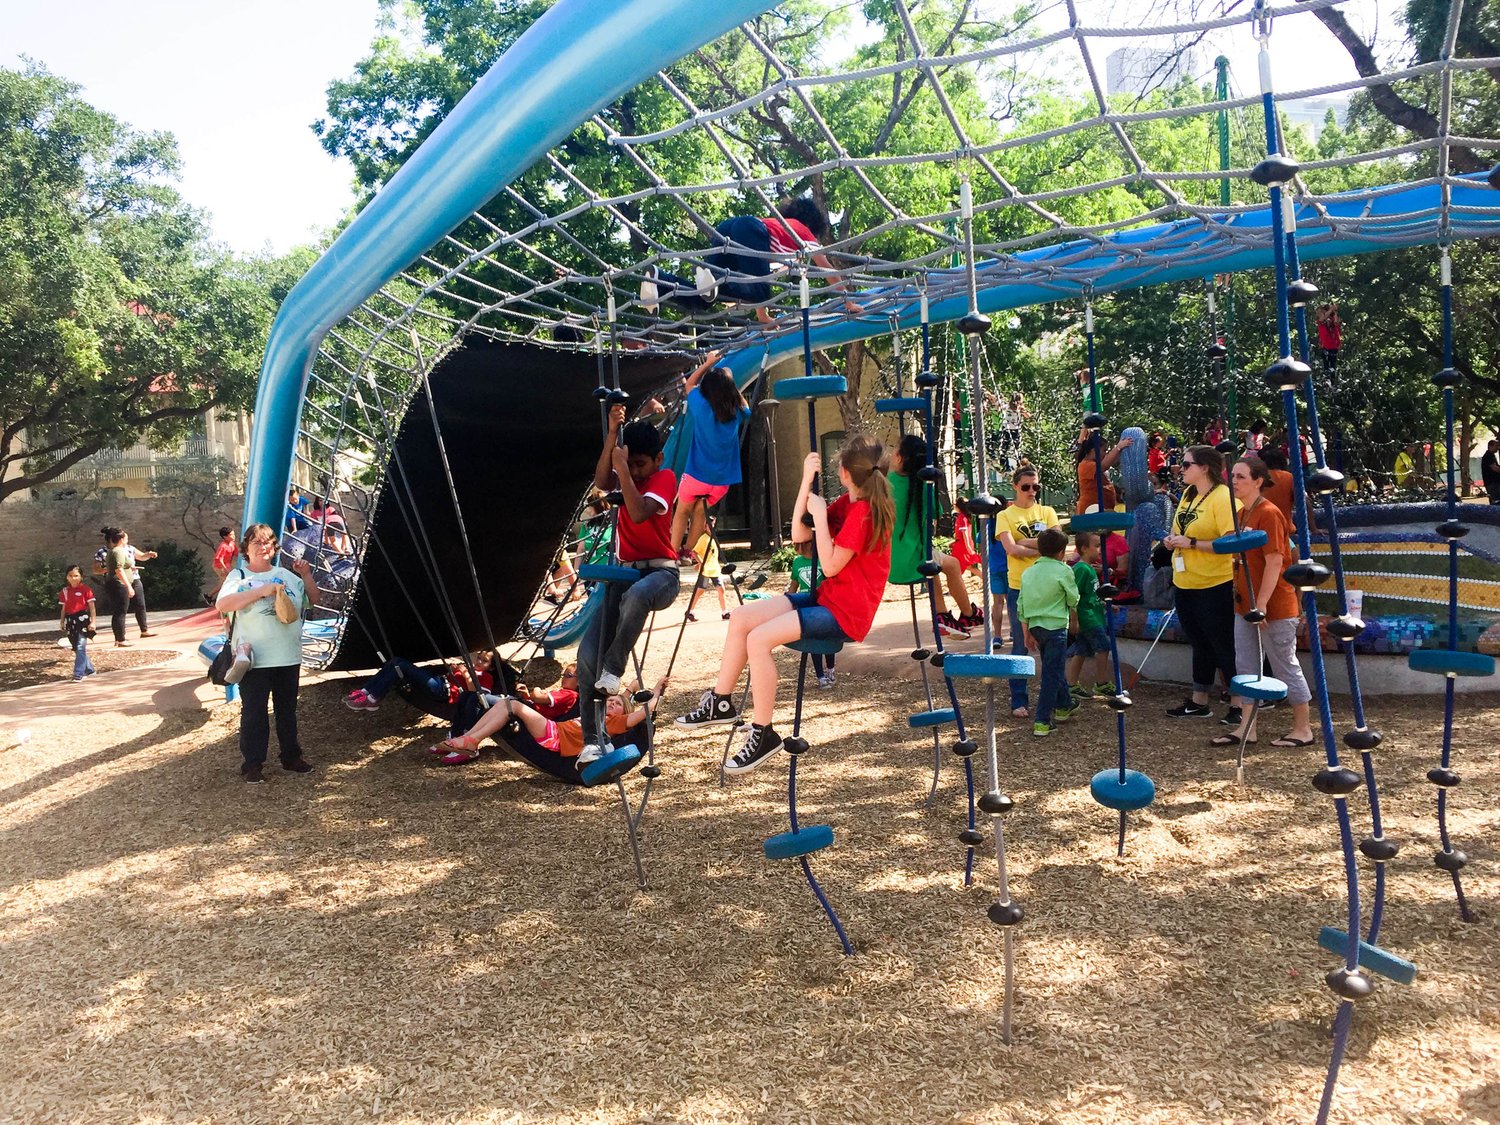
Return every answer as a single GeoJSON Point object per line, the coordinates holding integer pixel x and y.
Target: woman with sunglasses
{"type": "Point", "coordinates": [1203, 581]}
{"type": "Point", "coordinates": [1016, 531]}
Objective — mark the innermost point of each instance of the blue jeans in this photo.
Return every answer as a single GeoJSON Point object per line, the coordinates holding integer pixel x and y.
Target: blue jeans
{"type": "Point", "coordinates": [745, 232]}
{"type": "Point", "coordinates": [1052, 655]}
{"type": "Point", "coordinates": [82, 665]}
{"type": "Point", "coordinates": [1017, 647]}
{"type": "Point", "coordinates": [421, 681]}
{"type": "Point", "coordinates": [621, 617]}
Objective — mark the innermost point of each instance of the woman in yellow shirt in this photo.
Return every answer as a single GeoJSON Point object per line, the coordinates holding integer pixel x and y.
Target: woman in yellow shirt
{"type": "Point", "coordinates": [1202, 580]}
{"type": "Point", "coordinates": [1016, 530]}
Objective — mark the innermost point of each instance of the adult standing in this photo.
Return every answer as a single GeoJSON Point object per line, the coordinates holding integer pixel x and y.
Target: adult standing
{"type": "Point", "coordinates": [1016, 531]}
{"type": "Point", "coordinates": [119, 581]}
{"type": "Point", "coordinates": [137, 587]}
{"type": "Point", "coordinates": [1489, 470]}
{"type": "Point", "coordinates": [1281, 491]}
{"type": "Point", "coordinates": [1274, 637]}
{"type": "Point", "coordinates": [1087, 470]}
{"type": "Point", "coordinates": [1203, 581]}
{"type": "Point", "coordinates": [250, 592]}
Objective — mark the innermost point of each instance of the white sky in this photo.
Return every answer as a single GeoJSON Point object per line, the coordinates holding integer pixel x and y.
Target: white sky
{"type": "Point", "coordinates": [239, 84]}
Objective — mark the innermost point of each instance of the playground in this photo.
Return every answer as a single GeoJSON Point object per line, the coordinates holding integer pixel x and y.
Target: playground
{"type": "Point", "coordinates": [385, 940]}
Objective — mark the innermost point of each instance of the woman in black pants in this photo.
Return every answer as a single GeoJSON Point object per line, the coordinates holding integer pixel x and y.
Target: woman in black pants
{"type": "Point", "coordinates": [119, 579]}
{"type": "Point", "coordinates": [1203, 581]}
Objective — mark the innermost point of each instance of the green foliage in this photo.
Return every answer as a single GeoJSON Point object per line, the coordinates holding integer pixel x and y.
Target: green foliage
{"type": "Point", "coordinates": [121, 320]}
{"type": "Point", "coordinates": [174, 579]}
{"type": "Point", "coordinates": [37, 584]}
{"type": "Point", "coordinates": [781, 559]}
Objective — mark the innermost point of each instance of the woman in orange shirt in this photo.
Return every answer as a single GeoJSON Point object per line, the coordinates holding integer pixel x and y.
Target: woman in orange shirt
{"type": "Point", "coordinates": [1088, 468]}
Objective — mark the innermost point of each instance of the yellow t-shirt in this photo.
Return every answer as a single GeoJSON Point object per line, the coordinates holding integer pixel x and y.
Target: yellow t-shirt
{"type": "Point", "coordinates": [1022, 523]}
{"type": "Point", "coordinates": [1203, 518]}
{"type": "Point", "coordinates": [707, 551]}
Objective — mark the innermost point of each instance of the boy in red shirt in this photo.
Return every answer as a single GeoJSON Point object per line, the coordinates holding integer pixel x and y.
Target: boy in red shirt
{"type": "Point", "coordinates": [76, 619]}
{"type": "Point", "coordinates": [631, 461]}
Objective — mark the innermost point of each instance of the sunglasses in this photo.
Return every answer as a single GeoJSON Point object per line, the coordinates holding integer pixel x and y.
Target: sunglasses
{"type": "Point", "coordinates": [1028, 488]}
{"type": "Point", "coordinates": [1189, 464]}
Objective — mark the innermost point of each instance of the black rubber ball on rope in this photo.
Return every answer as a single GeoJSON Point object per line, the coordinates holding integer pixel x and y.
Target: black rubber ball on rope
{"type": "Point", "coordinates": [601, 393]}
{"type": "Point", "coordinates": [974, 324]}
{"type": "Point", "coordinates": [995, 803]}
{"type": "Point", "coordinates": [1452, 862]}
{"type": "Point", "coordinates": [649, 772]}
{"type": "Point", "coordinates": [920, 653]}
{"type": "Point", "coordinates": [1107, 590]}
{"type": "Point", "coordinates": [1006, 913]}
{"type": "Point", "coordinates": [1447, 377]}
{"type": "Point", "coordinates": [1255, 616]}
{"type": "Point", "coordinates": [1274, 169]}
{"type": "Point", "coordinates": [929, 474]}
{"type": "Point", "coordinates": [1363, 740]}
{"type": "Point", "coordinates": [971, 837]}
{"type": "Point", "coordinates": [1121, 702]}
{"type": "Point", "coordinates": [1345, 628]}
{"type": "Point", "coordinates": [1443, 779]}
{"type": "Point", "coordinates": [645, 695]}
{"type": "Point", "coordinates": [1301, 293]}
{"type": "Point", "coordinates": [1350, 985]}
{"type": "Point", "coordinates": [1325, 480]}
{"type": "Point", "coordinates": [1307, 575]}
{"type": "Point", "coordinates": [617, 396]}
{"type": "Point", "coordinates": [615, 499]}
{"type": "Point", "coordinates": [795, 745]}
{"type": "Point", "coordinates": [983, 504]}
{"type": "Point", "coordinates": [1093, 420]}
{"type": "Point", "coordinates": [937, 659]}
{"type": "Point", "coordinates": [729, 568]}
{"type": "Point", "coordinates": [1452, 529]}
{"type": "Point", "coordinates": [1287, 374]}
{"type": "Point", "coordinates": [1227, 448]}
{"type": "Point", "coordinates": [966, 748]}
{"type": "Point", "coordinates": [1379, 848]}
{"type": "Point", "coordinates": [929, 569]}
{"type": "Point", "coordinates": [926, 379]}
{"type": "Point", "coordinates": [1336, 782]}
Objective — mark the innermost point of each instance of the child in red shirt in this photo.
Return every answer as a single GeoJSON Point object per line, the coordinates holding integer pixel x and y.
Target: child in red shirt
{"type": "Point", "coordinates": [559, 701]}
{"type": "Point", "coordinates": [76, 619]}
{"type": "Point", "coordinates": [853, 541]}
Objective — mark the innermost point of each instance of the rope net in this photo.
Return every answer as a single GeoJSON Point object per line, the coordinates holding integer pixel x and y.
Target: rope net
{"type": "Point", "coordinates": [1076, 192]}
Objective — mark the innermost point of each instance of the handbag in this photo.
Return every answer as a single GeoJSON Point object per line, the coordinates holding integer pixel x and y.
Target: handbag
{"type": "Point", "coordinates": [287, 611]}
{"type": "Point", "coordinates": [218, 668]}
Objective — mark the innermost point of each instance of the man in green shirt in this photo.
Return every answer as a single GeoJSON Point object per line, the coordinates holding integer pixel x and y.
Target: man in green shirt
{"type": "Point", "coordinates": [1046, 604]}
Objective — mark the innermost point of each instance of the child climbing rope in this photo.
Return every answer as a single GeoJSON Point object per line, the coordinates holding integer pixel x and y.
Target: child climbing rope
{"type": "Point", "coordinates": [909, 537]}
{"type": "Point", "coordinates": [853, 542]}
{"type": "Point", "coordinates": [716, 410]}
{"type": "Point", "coordinates": [631, 461]}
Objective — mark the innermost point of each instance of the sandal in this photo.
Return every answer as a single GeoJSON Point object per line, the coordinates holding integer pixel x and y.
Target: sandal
{"type": "Point", "coordinates": [455, 751]}
{"type": "Point", "coordinates": [1230, 740]}
{"type": "Point", "coordinates": [1288, 742]}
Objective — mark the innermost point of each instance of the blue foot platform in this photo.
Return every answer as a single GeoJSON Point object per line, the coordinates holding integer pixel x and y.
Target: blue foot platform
{"type": "Point", "coordinates": [820, 648]}
{"type": "Point", "coordinates": [601, 572]}
{"type": "Point", "coordinates": [1101, 521]}
{"type": "Point", "coordinates": [1135, 792]}
{"type": "Point", "coordinates": [899, 405]}
{"type": "Point", "coordinates": [1447, 662]}
{"type": "Point", "coordinates": [790, 845]}
{"type": "Point", "coordinates": [617, 763]}
{"type": "Point", "coordinates": [1262, 689]}
{"type": "Point", "coordinates": [1371, 957]}
{"type": "Point", "coordinates": [811, 386]}
{"type": "Point", "coordinates": [978, 665]}
{"type": "Point", "coordinates": [931, 718]}
{"type": "Point", "coordinates": [1238, 542]}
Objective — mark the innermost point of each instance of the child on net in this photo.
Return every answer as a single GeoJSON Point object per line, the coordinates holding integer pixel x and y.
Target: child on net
{"type": "Point", "coordinates": [716, 410]}
{"type": "Point", "coordinates": [853, 547]}
{"type": "Point", "coordinates": [909, 540]}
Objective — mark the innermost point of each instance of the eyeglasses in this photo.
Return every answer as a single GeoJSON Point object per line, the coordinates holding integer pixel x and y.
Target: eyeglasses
{"type": "Point", "coordinates": [1028, 488]}
{"type": "Point", "coordinates": [1189, 464]}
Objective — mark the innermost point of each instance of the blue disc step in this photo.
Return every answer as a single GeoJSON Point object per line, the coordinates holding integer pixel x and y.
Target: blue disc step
{"type": "Point", "coordinates": [1237, 542]}
{"type": "Point", "coordinates": [1261, 688]}
{"type": "Point", "coordinates": [1135, 792]}
{"type": "Point", "coordinates": [1101, 521]}
{"type": "Point", "coordinates": [931, 718]}
{"type": "Point", "coordinates": [819, 647]}
{"type": "Point", "coordinates": [1447, 662]}
{"type": "Point", "coordinates": [1371, 957]}
{"type": "Point", "coordinates": [806, 840]}
{"type": "Point", "coordinates": [977, 665]}
{"type": "Point", "coordinates": [810, 386]}
{"type": "Point", "coordinates": [602, 572]}
{"type": "Point", "coordinates": [899, 405]}
{"type": "Point", "coordinates": [619, 761]}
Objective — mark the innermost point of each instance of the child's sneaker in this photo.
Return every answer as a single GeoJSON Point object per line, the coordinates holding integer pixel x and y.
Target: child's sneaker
{"type": "Point", "coordinates": [691, 616]}
{"type": "Point", "coordinates": [949, 626]}
{"type": "Point", "coordinates": [712, 708]}
{"type": "Point", "coordinates": [608, 683]}
{"type": "Point", "coordinates": [724, 616]}
{"type": "Point", "coordinates": [1078, 691]}
{"type": "Point", "coordinates": [973, 620]}
{"type": "Point", "coordinates": [759, 745]}
{"type": "Point", "coordinates": [1104, 691]}
{"type": "Point", "coordinates": [648, 290]}
{"type": "Point", "coordinates": [826, 680]}
{"type": "Point", "coordinates": [240, 666]}
{"type": "Point", "coordinates": [361, 700]}
{"type": "Point", "coordinates": [588, 755]}
{"type": "Point", "coordinates": [1041, 730]}
{"type": "Point", "coordinates": [1062, 715]}
{"type": "Point", "coordinates": [708, 285]}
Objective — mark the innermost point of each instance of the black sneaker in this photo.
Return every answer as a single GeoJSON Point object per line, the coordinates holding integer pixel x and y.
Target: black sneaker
{"type": "Point", "coordinates": [1232, 717]}
{"type": "Point", "coordinates": [297, 765]}
{"type": "Point", "coordinates": [712, 708]}
{"type": "Point", "coordinates": [759, 745]}
{"type": "Point", "coordinates": [252, 775]}
{"type": "Point", "coordinates": [1190, 710]}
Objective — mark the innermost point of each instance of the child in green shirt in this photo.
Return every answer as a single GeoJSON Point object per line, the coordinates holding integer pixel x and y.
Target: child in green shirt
{"type": "Point", "coordinates": [1046, 604]}
{"type": "Point", "coordinates": [1091, 639]}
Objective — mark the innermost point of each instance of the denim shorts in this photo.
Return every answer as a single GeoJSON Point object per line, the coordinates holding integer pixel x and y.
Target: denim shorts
{"type": "Point", "coordinates": [1089, 642]}
{"type": "Point", "coordinates": [818, 622]}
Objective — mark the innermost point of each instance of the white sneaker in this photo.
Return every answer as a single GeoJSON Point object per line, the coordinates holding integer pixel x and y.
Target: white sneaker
{"type": "Point", "coordinates": [588, 756]}
{"type": "Point", "coordinates": [240, 666]}
{"type": "Point", "coordinates": [608, 683]}
{"type": "Point", "coordinates": [708, 285]}
{"type": "Point", "coordinates": [648, 290]}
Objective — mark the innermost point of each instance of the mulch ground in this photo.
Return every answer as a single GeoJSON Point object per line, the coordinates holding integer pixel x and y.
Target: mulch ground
{"type": "Point", "coordinates": [383, 940]}
{"type": "Point", "coordinates": [27, 659]}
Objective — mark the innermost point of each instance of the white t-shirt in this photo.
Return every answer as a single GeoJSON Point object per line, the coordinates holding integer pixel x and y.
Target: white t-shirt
{"type": "Point", "coordinates": [272, 644]}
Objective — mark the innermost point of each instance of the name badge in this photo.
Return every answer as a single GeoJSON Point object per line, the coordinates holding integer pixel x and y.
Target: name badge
{"type": "Point", "coordinates": [1179, 562]}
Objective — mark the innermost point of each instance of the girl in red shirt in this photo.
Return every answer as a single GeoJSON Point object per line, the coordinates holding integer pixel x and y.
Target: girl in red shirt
{"type": "Point", "coordinates": [852, 537]}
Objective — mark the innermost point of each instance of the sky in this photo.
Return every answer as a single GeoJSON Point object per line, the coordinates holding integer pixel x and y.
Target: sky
{"type": "Point", "coordinates": [238, 84]}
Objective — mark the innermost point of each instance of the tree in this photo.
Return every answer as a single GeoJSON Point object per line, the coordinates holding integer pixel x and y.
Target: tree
{"type": "Point", "coordinates": [119, 322]}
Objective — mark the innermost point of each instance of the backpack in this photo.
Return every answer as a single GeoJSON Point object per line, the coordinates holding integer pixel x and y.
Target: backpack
{"type": "Point", "coordinates": [1156, 589]}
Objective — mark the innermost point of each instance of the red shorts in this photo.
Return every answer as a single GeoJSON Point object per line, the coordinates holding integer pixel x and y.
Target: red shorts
{"type": "Point", "coordinates": [551, 739]}
{"type": "Point", "coordinates": [691, 488]}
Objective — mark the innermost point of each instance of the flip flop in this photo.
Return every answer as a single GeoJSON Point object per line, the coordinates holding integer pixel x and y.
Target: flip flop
{"type": "Point", "coordinates": [1230, 740]}
{"type": "Point", "coordinates": [1288, 742]}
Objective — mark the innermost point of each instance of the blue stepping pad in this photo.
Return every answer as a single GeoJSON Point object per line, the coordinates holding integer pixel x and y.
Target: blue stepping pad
{"type": "Point", "coordinates": [811, 386]}
{"type": "Point", "coordinates": [1447, 662]}
{"type": "Point", "coordinates": [976, 665]}
{"type": "Point", "coordinates": [808, 839]}
{"type": "Point", "coordinates": [931, 718]}
{"type": "Point", "coordinates": [1101, 521]}
{"type": "Point", "coordinates": [895, 405]}
{"type": "Point", "coordinates": [1371, 957]}
{"type": "Point", "coordinates": [619, 761]}
{"type": "Point", "coordinates": [1263, 689]}
{"type": "Point", "coordinates": [1135, 792]}
{"type": "Point", "coordinates": [1237, 542]}
{"type": "Point", "coordinates": [818, 647]}
{"type": "Point", "coordinates": [600, 572]}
